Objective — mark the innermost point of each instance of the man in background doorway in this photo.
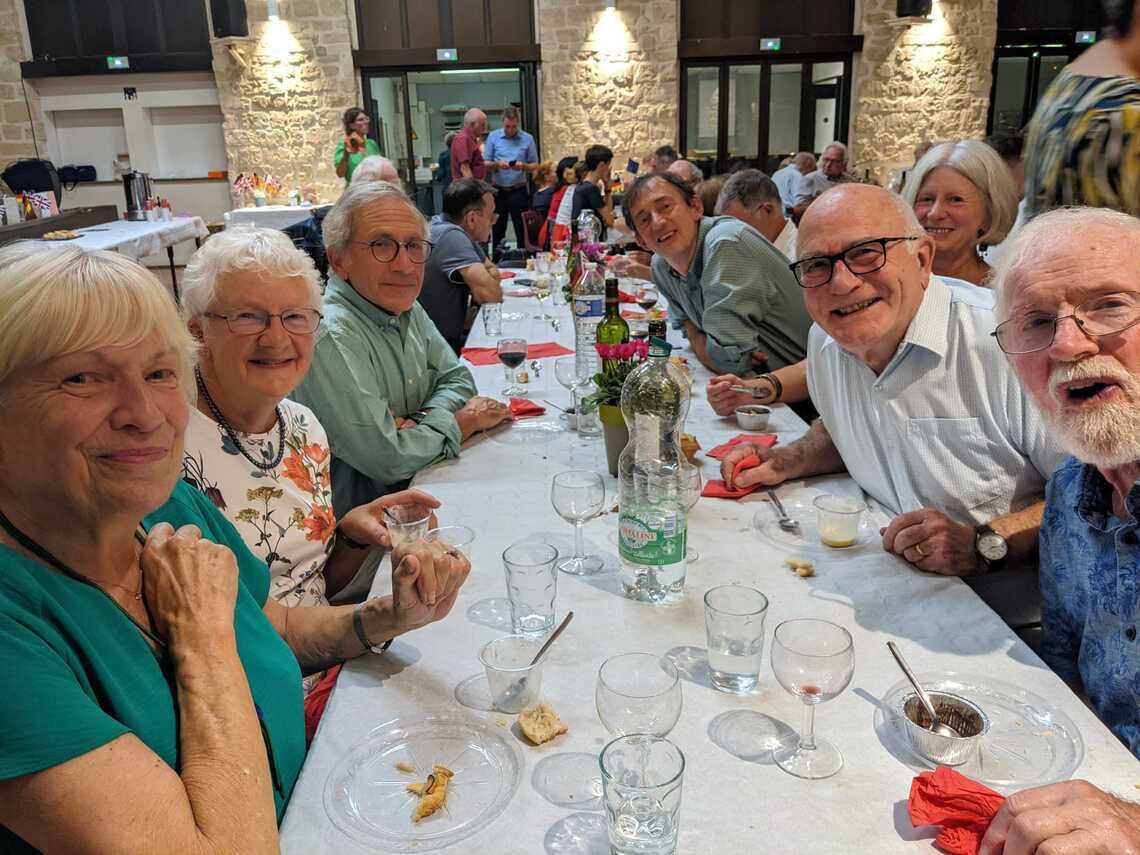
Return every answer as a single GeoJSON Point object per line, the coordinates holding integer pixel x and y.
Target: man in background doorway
{"type": "Point", "coordinates": [507, 153]}
{"type": "Point", "coordinates": [466, 153]}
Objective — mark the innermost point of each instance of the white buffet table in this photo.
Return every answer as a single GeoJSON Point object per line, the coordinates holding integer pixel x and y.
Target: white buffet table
{"type": "Point", "coordinates": [272, 216]}
{"type": "Point", "coordinates": [735, 800]}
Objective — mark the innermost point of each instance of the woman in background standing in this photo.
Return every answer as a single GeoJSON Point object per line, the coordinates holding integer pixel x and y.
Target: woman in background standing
{"type": "Point", "coordinates": [356, 144]}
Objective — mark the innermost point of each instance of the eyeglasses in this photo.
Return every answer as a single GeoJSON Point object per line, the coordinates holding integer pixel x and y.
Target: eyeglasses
{"type": "Point", "coordinates": [865, 257]}
{"type": "Point", "coordinates": [386, 249]}
{"type": "Point", "coordinates": [253, 322]}
{"type": "Point", "coordinates": [1105, 314]}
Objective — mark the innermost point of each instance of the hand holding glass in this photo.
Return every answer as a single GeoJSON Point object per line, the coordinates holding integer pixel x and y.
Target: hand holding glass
{"type": "Point", "coordinates": [579, 495]}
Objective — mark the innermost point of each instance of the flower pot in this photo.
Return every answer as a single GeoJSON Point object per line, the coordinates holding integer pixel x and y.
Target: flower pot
{"type": "Point", "coordinates": [615, 433]}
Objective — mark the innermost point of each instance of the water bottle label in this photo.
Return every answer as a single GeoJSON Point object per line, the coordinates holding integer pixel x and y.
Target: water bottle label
{"type": "Point", "coordinates": [651, 539]}
{"type": "Point", "coordinates": [590, 306]}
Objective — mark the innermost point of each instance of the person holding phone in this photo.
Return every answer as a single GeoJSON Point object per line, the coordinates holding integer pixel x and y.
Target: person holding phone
{"type": "Point", "coordinates": [508, 153]}
{"type": "Point", "coordinates": [356, 144]}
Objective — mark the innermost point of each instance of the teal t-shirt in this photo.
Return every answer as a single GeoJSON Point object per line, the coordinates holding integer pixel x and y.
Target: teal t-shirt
{"type": "Point", "coordinates": [78, 674]}
{"type": "Point", "coordinates": [371, 147]}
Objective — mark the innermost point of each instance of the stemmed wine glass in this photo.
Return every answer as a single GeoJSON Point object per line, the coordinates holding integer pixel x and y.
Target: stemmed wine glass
{"type": "Point", "coordinates": [512, 353]}
{"type": "Point", "coordinates": [813, 659]}
{"type": "Point", "coordinates": [647, 297]}
{"type": "Point", "coordinates": [638, 693]}
{"type": "Point", "coordinates": [566, 372]}
{"type": "Point", "coordinates": [578, 495]}
{"type": "Point", "coordinates": [691, 482]}
{"type": "Point", "coordinates": [541, 290]}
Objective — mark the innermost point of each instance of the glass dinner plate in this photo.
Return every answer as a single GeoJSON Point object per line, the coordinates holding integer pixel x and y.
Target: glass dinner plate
{"type": "Point", "coordinates": [537, 430]}
{"type": "Point", "coordinates": [766, 525]}
{"type": "Point", "coordinates": [366, 796]}
{"type": "Point", "coordinates": [1030, 742]}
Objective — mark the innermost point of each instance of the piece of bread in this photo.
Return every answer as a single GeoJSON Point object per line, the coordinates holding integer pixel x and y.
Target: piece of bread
{"type": "Point", "coordinates": [689, 446]}
{"type": "Point", "coordinates": [802, 566]}
{"type": "Point", "coordinates": [432, 793]}
{"type": "Point", "coordinates": [541, 724]}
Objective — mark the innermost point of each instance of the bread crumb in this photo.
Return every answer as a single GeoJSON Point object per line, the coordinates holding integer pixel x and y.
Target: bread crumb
{"type": "Point", "coordinates": [405, 767]}
{"type": "Point", "coordinates": [802, 566]}
{"type": "Point", "coordinates": [432, 793]}
{"type": "Point", "coordinates": [541, 724]}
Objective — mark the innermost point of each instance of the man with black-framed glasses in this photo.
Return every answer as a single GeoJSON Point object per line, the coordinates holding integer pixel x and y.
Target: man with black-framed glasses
{"type": "Point", "coordinates": [915, 399]}
{"type": "Point", "coordinates": [389, 390]}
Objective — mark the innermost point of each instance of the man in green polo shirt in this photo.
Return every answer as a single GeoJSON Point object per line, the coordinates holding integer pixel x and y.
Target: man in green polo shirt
{"type": "Point", "coordinates": [728, 288]}
{"type": "Point", "coordinates": [390, 392]}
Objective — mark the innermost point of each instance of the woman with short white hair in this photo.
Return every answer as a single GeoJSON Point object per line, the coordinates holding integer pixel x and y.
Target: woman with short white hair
{"type": "Point", "coordinates": [154, 699]}
{"type": "Point", "coordinates": [964, 196]}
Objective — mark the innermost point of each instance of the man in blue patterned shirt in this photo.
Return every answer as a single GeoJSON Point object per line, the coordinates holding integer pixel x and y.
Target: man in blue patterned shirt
{"type": "Point", "coordinates": [1069, 288]}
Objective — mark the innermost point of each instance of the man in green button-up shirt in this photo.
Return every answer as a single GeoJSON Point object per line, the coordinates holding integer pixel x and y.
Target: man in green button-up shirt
{"type": "Point", "coordinates": [389, 391]}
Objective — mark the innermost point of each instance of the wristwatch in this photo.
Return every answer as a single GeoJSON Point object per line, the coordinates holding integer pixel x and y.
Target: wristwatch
{"type": "Point", "coordinates": [991, 547]}
{"type": "Point", "coordinates": [418, 416]}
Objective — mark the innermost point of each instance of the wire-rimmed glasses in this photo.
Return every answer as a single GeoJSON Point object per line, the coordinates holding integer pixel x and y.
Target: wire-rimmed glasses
{"type": "Point", "coordinates": [300, 321]}
{"type": "Point", "coordinates": [864, 257]}
{"type": "Point", "coordinates": [1104, 314]}
{"type": "Point", "coordinates": [385, 249]}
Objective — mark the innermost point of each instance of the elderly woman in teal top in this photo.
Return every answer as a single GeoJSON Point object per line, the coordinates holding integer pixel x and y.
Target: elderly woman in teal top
{"type": "Point", "coordinates": [156, 687]}
{"type": "Point", "coordinates": [356, 144]}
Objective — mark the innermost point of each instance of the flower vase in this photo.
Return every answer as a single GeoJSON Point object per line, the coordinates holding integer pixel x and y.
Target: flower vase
{"type": "Point", "coordinates": [615, 433]}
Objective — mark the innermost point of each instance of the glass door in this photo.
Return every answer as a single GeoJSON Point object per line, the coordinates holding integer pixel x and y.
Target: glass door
{"type": "Point", "coordinates": [702, 117]}
{"type": "Point", "coordinates": [388, 107]}
{"type": "Point", "coordinates": [1021, 76]}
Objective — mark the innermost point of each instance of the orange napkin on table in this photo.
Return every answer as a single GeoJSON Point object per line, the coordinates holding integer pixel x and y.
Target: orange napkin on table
{"type": "Point", "coordinates": [765, 440]}
{"type": "Point", "coordinates": [524, 409]}
{"type": "Point", "coordinates": [715, 488]}
{"type": "Point", "coordinates": [631, 315]}
{"type": "Point", "coordinates": [540, 350]}
{"type": "Point", "coordinates": [963, 808]}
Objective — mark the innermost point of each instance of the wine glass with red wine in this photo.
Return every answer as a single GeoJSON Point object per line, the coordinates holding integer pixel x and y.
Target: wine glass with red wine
{"type": "Point", "coordinates": [647, 297]}
{"type": "Point", "coordinates": [512, 353]}
{"type": "Point", "coordinates": [814, 660]}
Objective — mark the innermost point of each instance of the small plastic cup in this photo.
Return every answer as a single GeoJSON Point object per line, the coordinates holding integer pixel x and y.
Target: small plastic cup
{"type": "Point", "coordinates": [406, 523]}
{"type": "Point", "coordinates": [457, 536]}
{"type": "Point", "coordinates": [513, 681]}
{"type": "Point", "coordinates": [838, 518]}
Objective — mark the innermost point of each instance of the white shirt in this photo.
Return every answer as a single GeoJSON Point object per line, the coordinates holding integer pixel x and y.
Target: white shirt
{"type": "Point", "coordinates": [946, 425]}
{"type": "Point", "coordinates": [786, 240]}
{"type": "Point", "coordinates": [566, 207]}
{"type": "Point", "coordinates": [788, 181]}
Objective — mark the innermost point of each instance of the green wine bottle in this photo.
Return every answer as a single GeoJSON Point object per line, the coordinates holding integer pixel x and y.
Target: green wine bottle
{"type": "Point", "coordinates": [612, 329]}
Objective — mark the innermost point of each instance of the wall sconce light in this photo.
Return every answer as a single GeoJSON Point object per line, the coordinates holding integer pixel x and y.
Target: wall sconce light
{"type": "Point", "coordinates": [274, 12]}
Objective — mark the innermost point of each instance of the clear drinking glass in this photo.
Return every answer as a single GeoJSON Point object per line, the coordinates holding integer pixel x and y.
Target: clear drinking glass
{"type": "Point", "coordinates": [638, 693]}
{"type": "Point", "coordinates": [406, 523]}
{"type": "Point", "coordinates": [492, 319]}
{"type": "Point", "coordinates": [734, 627]}
{"type": "Point", "coordinates": [641, 783]}
{"type": "Point", "coordinates": [838, 518]}
{"type": "Point", "coordinates": [578, 496]}
{"type": "Point", "coordinates": [566, 372]}
{"type": "Point", "coordinates": [513, 681]}
{"type": "Point", "coordinates": [512, 353]}
{"type": "Point", "coordinates": [457, 536]}
{"type": "Point", "coordinates": [542, 263]}
{"type": "Point", "coordinates": [813, 659]}
{"type": "Point", "coordinates": [589, 419]}
{"type": "Point", "coordinates": [691, 483]}
{"type": "Point", "coordinates": [532, 582]}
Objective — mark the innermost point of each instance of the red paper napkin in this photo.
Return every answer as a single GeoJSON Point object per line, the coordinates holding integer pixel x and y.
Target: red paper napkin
{"type": "Point", "coordinates": [765, 440]}
{"type": "Point", "coordinates": [521, 408]}
{"type": "Point", "coordinates": [715, 488]}
{"type": "Point", "coordinates": [626, 297]}
{"type": "Point", "coordinates": [539, 350]}
{"type": "Point", "coordinates": [963, 808]}
{"type": "Point", "coordinates": [507, 274]}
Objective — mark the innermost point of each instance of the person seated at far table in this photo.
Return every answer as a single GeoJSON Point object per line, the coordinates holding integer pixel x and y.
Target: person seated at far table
{"type": "Point", "coordinates": [788, 176]}
{"type": "Point", "coordinates": [561, 203]}
{"type": "Point", "coordinates": [753, 197]}
{"type": "Point", "coordinates": [547, 183]}
{"type": "Point", "coordinates": [831, 172]}
{"type": "Point", "coordinates": [916, 402]}
{"type": "Point", "coordinates": [708, 191]}
{"type": "Point", "coordinates": [376, 168]}
{"type": "Point", "coordinates": [458, 267]}
{"type": "Point", "coordinates": [688, 172]}
{"type": "Point", "coordinates": [388, 389]}
{"type": "Point", "coordinates": [155, 687]}
{"type": "Point", "coordinates": [593, 190]}
{"type": "Point", "coordinates": [252, 301]}
{"type": "Point", "coordinates": [1074, 342]}
{"type": "Point", "coordinates": [729, 289]}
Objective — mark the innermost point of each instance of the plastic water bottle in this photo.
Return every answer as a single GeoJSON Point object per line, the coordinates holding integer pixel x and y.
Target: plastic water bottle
{"type": "Point", "coordinates": [651, 523]}
{"type": "Point", "coordinates": [587, 227]}
{"type": "Point", "coordinates": [589, 307]}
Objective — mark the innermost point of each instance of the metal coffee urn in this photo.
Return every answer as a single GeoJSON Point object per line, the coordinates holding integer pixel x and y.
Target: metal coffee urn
{"type": "Point", "coordinates": [136, 187]}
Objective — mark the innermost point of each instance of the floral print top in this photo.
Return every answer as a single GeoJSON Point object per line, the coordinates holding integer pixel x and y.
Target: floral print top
{"type": "Point", "coordinates": [284, 514]}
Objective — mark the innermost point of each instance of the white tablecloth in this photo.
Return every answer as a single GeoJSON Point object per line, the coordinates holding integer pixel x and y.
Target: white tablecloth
{"type": "Point", "coordinates": [139, 239]}
{"type": "Point", "coordinates": [735, 800]}
{"type": "Point", "coordinates": [271, 216]}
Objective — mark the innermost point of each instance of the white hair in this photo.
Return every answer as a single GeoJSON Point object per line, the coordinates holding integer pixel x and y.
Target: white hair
{"type": "Point", "coordinates": [56, 300]}
{"type": "Point", "coordinates": [1027, 243]}
{"type": "Point", "coordinates": [247, 250]}
{"type": "Point", "coordinates": [981, 166]}
{"type": "Point", "coordinates": [837, 144]}
{"type": "Point", "coordinates": [337, 227]}
{"type": "Point", "coordinates": [472, 116]}
{"type": "Point", "coordinates": [374, 168]}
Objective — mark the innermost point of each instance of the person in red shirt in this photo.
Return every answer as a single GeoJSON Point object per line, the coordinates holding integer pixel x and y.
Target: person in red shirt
{"type": "Point", "coordinates": [466, 154]}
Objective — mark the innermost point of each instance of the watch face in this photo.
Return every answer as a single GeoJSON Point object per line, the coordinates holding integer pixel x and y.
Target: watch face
{"type": "Point", "coordinates": [992, 546]}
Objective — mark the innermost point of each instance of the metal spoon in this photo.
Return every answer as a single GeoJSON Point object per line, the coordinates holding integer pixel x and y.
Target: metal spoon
{"type": "Point", "coordinates": [936, 726]}
{"type": "Point", "coordinates": [515, 689]}
{"type": "Point", "coordinates": [785, 522]}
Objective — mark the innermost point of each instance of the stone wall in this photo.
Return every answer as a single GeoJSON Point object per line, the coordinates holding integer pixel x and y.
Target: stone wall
{"type": "Point", "coordinates": [16, 128]}
{"type": "Point", "coordinates": [924, 81]}
{"type": "Point", "coordinates": [282, 108]}
{"type": "Point", "coordinates": [608, 76]}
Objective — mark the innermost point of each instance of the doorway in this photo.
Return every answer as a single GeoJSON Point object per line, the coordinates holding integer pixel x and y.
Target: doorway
{"type": "Point", "coordinates": [755, 113]}
{"type": "Point", "coordinates": [413, 111]}
{"type": "Point", "coordinates": [1021, 76]}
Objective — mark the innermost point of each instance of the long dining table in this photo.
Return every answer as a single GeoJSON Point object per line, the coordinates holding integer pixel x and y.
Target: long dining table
{"type": "Point", "coordinates": [735, 799]}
